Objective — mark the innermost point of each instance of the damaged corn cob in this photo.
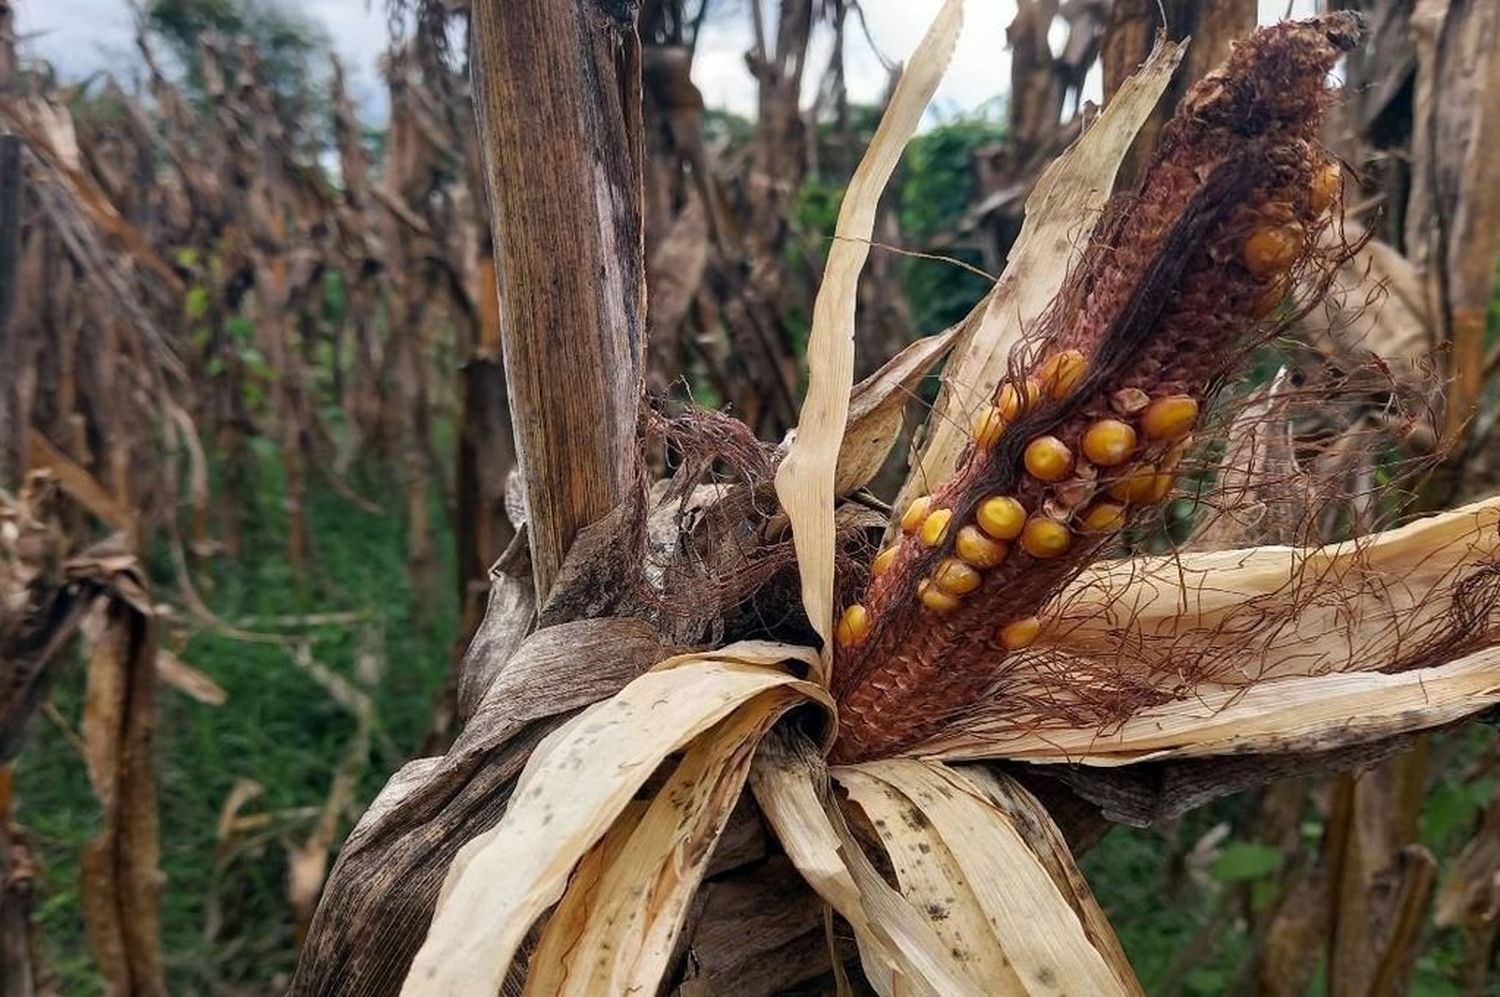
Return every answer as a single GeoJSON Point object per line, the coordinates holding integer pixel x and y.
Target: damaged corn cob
{"type": "Point", "coordinates": [1174, 288]}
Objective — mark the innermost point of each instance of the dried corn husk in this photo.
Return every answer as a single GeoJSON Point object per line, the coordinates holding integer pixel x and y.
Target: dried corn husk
{"type": "Point", "coordinates": [1060, 211]}
{"type": "Point", "coordinates": [805, 479]}
{"type": "Point", "coordinates": [566, 801]}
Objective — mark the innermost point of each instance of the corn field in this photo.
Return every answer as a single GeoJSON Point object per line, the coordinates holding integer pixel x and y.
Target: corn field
{"type": "Point", "coordinates": [736, 555]}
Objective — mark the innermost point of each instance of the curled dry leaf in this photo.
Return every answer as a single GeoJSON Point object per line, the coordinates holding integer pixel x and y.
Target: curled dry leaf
{"type": "Point", "coordinates": [1300, 714]}
{"type": "Point", "coordinates": [969, 869]}
{"type": "Point", "coordinates": [564, 802]}
{"type": "Point", "coordinates": [1369, 604]}
{"type": "Point", "coordinates": [896, 942]}
{"type": "Point", "coordinates": [189, 681]}
{"type": "Point", "coordinates": [805, 479]}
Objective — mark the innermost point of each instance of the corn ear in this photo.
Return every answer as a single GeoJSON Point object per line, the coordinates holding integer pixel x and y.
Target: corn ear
{"type": "Point", "coordinates": [1066, 201]}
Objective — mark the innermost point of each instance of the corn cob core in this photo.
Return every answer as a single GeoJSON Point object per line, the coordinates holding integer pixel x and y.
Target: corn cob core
{"type": "Point", "coordinates": [1167, 298]}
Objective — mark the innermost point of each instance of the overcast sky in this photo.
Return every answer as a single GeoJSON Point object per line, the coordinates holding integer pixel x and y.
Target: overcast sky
{"type": "Point", "coordinates": [82, 36]}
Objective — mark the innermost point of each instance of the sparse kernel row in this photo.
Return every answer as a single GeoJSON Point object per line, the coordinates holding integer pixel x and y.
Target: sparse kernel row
{"type": "Point", "coordinates": [1000, 520]}
{"type": "Point", "coordinates": [854, 625]}
{"type": "Point", "coordinates": [1272, 250]}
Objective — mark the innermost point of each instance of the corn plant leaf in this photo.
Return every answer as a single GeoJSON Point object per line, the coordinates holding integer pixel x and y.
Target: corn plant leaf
{"type": "Point", "coordinates": [1298, 714]}
{"type": "Point", "coordinates": [1033, 823]}
{"type": "Point", "coordinates": [930, 879]}
{"type": "Point", "coordinates": [616, 935]}
{"type": "Point", "coordinates": [1061, 210]}
{"type": "Point", "coordinates": [1274, 611]}
{"type": "Point", "coordinates": [899, 950]}
{"type": "Point", "coordinates": [565, 801]}
{"type": "Point", "coordinates": [805, 479]}
{"type": "Point", "coordinates": [1041, 934]}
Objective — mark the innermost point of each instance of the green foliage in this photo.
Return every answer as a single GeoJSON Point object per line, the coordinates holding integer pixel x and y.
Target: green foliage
{"type": "Point", "coordinates": [937, 189]}
{"type": "Point", "coordinates": [287, 41]}
{"type": "Point", "coordinates": [226, 922]}
{"type": "Point", "coordinates": [1245, 860]}
{"type": "Point", "coordinates": [938, 186]}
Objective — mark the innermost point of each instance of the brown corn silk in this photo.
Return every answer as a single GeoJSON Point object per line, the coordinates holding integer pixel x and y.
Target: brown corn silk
{"type": "Point", "coordinates": [1169, 296]}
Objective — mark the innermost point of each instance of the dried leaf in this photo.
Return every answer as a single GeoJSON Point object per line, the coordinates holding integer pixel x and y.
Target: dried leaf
{"type": "Point", "coordinates": [1028, 916]}
{"type": "Point", "coordinates": [896, 944]}
{"type": "Point", "coordinates": [1300, 714]}
{"type": "Point", "coordinates": [1361, 604]}
{"type": "Point", "coordinates": [930, 878]}
{"type": "Point", "coordinates": [78, 482]}
{"type": "Point", "coordinates": [616, 936]}
{"type": "Point", "coordinates": [805, 479]}
{"type": "Point", "coordinates": [189, 681]}
{"type": "Point", "coordinates": [564, 802]}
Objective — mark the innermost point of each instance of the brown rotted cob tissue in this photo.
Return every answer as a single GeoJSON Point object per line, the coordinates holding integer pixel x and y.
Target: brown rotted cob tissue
{"type": "Point", "coordinates": [1177, 283]}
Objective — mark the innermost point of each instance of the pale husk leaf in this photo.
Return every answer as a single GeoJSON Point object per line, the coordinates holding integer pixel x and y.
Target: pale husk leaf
{"type": "Point", "coordinates": [805, 479]}
{"type": "Point", "coordinates": [1352, 605]}
{"type": "Point", "coordinates": [564, 802]}
{"type": "Point", "coordinates": [1300, 714]}
{"type": "Point", "coordinates": [615, 935]}
{"type": "Point", "coordinates": [1034, 824]}
{"type": "Point", "coordinates": [1040, 933]}
{"type": "Point", "coordinates": [929, 877]}
{"type": "Point", "coordinates": [899, 950]}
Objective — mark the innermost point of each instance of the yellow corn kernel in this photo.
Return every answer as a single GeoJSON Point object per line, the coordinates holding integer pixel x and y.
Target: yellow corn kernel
{"type": "Point", "coordinates": [1019, 633]}
{"type": "Point", "coordinates": [1045, 538]}
{"type": "Point", "coordinates": [1048, 459]}
{"type": "Point", "coordinates": [935, 598]}
{"type": "Point", "coordinates": [1001, 516]}
{"type": "Point", "coordinates": [1273, 249]}
{"type": "Point", "coordinates": [1109, 442]}
{"type": "Point", "coordinates": [853, 627]}
{"type": "Point", "coordinates": [1012, 403]}
{"type": "Point", "coordinates": [1061, 372]}
{"type": "Point", "coordinates": [935, 527]}
{"type": "Point", "coordinates": [915, 514]}
{"type": "Point", "coordinates": [1103, 517]}
{"type": "Point", "coordinates": [987, 427]}
{"type": "Point", "coordinates": [1136, 486]}
{"type": "Point", "coordinates": [977, 549]}
{"type": "Point", "coordinates": [955, 577]}
{"type": "Point", "coordinates": [884, 560]}
{"type": "Point", "coordinates": [1327, 185]}
{"type": "Point", "coordinates": [1169, 418]}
